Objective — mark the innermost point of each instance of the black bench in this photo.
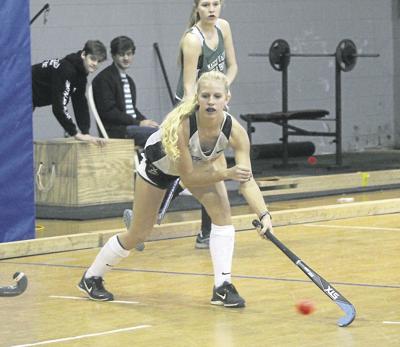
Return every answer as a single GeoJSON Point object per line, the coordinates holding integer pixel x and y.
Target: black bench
{"type": "Point", "coordinates": [282, 119]}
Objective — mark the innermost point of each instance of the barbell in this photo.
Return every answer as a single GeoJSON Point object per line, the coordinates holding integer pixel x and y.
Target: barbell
{"type": "Point", "coordinates": [346, 55]}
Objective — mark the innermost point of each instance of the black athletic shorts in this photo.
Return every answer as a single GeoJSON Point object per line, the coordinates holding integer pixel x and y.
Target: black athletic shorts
{"type": "Point", "coordinates": [153, 175]}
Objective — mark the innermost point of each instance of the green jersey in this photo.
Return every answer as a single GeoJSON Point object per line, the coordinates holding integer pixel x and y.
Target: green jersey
{"type": "Point", "coordinates": [209, 60]}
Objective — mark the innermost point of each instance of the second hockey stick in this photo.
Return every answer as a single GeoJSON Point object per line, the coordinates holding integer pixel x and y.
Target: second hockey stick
{"type": "Point", "coordinates": [17, 289]}
{"type": "Point", "coordinates": [167, 200]}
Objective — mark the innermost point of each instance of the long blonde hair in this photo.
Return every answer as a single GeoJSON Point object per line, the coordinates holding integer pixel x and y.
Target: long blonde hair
{"type": "Point", "coordinates": [170, 125]}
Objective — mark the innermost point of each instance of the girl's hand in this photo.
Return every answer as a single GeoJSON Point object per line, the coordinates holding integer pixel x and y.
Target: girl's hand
{"type": "Point", "coordinates": [263, 225]}
{"type": "Point", "coordinates": [239, 173]}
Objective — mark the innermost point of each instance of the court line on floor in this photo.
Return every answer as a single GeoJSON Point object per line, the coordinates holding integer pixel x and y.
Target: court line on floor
{"type": "Point", "coordinates": [388, 322]}
{"type": "Point", "coordinates": [64, 339]}
{"type": "Point", "coordinates": [263, 278]}
{"type": "Point", "coordinates": [87, 299]}
{"type": "Point", "coordinates": [350, 227]}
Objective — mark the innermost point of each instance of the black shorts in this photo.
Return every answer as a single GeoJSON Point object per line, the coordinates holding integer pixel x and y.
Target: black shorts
{"type": "Point", "coordinates": [153, 175]}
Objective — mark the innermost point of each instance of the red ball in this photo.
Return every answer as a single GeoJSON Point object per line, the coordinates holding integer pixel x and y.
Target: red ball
{"type": "Point", "coordinates": [305, 307]}
{"type": "Point", "coordinates": [312, 160]}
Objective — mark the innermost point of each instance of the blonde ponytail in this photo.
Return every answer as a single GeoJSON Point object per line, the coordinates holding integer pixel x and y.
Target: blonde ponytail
{"type": "Point", "coordinates": [194, 16]}
{"type": "Point", "coordinates": [170, 125]}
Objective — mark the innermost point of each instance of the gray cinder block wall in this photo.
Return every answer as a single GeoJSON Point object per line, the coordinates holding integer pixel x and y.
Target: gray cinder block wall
{"type": "Point", "coordinates": [370, 108]}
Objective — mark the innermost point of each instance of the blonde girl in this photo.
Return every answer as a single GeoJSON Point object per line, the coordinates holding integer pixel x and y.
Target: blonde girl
{"type": "Point", "coordinates": [190, 145]}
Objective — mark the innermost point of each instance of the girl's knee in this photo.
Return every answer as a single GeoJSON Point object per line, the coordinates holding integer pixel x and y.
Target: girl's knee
{"type": "Point", "coordinates": [221, 217]}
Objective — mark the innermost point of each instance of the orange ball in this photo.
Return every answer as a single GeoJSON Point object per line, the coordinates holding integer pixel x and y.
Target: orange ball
{"type": "Point", "coordinates": [305, 307]}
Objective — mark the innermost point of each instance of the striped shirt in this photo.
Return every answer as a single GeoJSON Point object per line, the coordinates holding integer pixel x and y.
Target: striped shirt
{"type": "Point", "coordinates": [127, 96]}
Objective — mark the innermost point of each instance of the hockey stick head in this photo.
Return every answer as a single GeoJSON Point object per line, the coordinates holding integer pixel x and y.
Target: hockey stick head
{"type": "Point", "coordinates": [22, 281]}
{"type": "Point", "coordinates": [17, 289]}
{"type": "Point", "coordinates": [350, 313]}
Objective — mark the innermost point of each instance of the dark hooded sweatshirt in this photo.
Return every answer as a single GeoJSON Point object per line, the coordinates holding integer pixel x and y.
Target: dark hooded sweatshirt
{"type": "Point", "coordinates": [54, 82]}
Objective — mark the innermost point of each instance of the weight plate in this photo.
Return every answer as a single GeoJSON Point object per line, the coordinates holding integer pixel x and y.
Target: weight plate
{"type": "Point", "coordinates": [346, 55]}
{"type": "Point", "coordinates": [279, 54]}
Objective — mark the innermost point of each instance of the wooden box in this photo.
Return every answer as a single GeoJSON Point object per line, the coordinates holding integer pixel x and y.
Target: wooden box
{"type": "Point", "coordinates": [71, 173]}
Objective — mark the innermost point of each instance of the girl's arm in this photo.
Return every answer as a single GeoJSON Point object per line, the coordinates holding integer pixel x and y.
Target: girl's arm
{"type": "Point", "coordinates": [230, 56]}
{"type": "Point", "coordinates": [191, 51]}
{"type": "Point", "coordinates": [240, 143]}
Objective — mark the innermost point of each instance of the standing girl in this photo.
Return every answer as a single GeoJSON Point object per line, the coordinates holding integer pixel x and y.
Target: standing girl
{"type": "Point", "coordinates": [206, 45]}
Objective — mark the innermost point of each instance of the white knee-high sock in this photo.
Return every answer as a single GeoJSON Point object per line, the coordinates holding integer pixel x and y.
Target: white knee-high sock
{"type": "Point", "coordinates": [222, 242]}
{"type": "Point", "coordinates": [111, 254]}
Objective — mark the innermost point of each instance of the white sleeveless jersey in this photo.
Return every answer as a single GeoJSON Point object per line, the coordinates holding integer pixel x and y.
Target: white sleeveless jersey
{"type": "Point", "coordinates": [154, 152]}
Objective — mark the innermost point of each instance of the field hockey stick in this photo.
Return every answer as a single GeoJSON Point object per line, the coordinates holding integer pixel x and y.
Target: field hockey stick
{"type": "Point", "coordinates": [16, 289]}
{"type": "Point", "coordinates": [164, 72]}
{"type": "Point", "coordinates": [45, 9]}
{"type": "Point", "coordinates": [168, 200]}
{"type": "Point", "coordinates": [321, 283]}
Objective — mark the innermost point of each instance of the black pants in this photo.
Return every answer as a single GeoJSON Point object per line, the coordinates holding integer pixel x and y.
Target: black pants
{"type": "Point", "coordinates": [139, 134]}
{"type": "Point", "coordinates": [205, 222]}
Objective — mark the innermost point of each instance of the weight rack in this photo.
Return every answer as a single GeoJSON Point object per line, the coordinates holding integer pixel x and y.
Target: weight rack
{"type": "Point", "coordinates": [279, 56]}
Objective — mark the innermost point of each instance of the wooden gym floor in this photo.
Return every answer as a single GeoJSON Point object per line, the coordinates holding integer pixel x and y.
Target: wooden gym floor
{"type": "Point", "coordinates": [162, 294]}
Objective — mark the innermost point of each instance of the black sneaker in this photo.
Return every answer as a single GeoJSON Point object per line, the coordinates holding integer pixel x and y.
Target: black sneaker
{"type": "Point", "coordinates": [93, 286]}
{"type": "Point", "coordinates": [202, 242]}
{"type": "Point", "coordinates": [227, 295]}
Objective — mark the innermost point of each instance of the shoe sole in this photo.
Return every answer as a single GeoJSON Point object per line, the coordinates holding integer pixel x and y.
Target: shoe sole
{"type": "Point", "coordinates": [201, 246]}
{"type": "Point", "coordinates": [220, 303]}
{"type": "Point", "coordinates": [90, 297]}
